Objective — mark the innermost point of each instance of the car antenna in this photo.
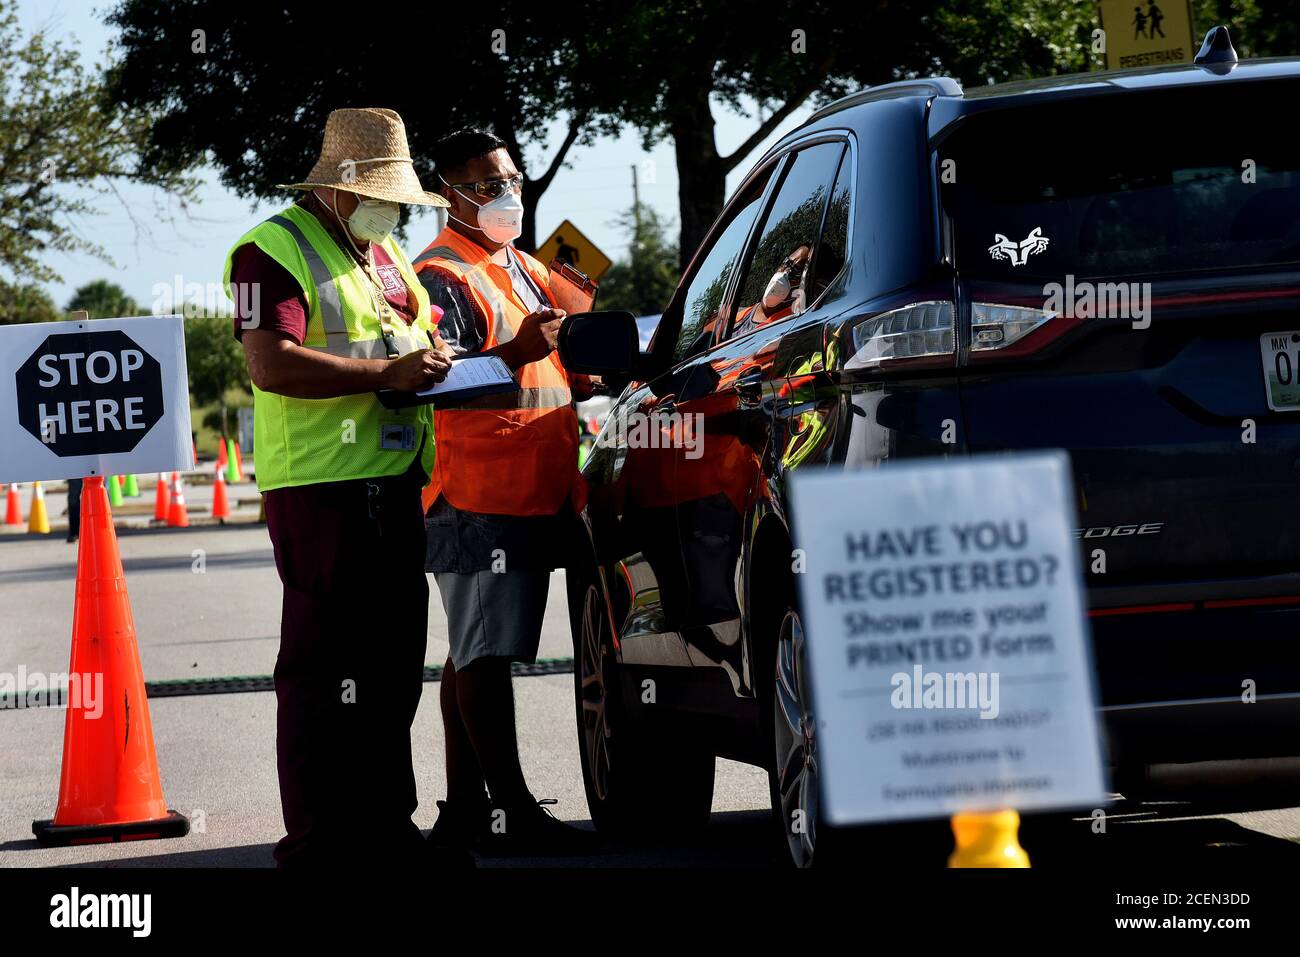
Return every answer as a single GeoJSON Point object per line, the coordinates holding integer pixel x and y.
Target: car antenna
{"type": "Point", "coordinates": [1216, 52]}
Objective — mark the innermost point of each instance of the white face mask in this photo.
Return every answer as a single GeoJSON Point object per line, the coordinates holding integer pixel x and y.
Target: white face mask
{"type": "Point", "coordinates": [374, 220]}
{"type": "Point", "coordinates": [501, 220]}
{"type": "Point", "coordinates": [778, 290]}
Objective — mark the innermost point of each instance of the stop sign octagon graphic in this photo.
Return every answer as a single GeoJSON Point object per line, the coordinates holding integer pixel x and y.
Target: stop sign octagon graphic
{"type": "Point", "coordinates": [87, 393]}
{"type": "Point", "coordinates": [90, 397]}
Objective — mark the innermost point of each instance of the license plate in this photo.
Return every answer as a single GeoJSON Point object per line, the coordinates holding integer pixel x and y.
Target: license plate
{"type": "Point", "coordinates": [1280, 353]}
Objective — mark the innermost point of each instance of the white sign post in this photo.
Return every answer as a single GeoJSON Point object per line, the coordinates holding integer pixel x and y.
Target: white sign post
{"type": "Point", "coordinates": [93, 397]}
{"type": "Point", "coordinates": [948, 650]}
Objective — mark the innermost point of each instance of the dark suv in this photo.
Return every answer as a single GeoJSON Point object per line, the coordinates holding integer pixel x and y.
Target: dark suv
{"type": "Point", "coordinates": [1107, 263]}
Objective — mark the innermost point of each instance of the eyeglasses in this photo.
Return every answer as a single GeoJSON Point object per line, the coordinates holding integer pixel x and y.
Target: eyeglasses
{"type": "Point", "coordinates": [494, 188]}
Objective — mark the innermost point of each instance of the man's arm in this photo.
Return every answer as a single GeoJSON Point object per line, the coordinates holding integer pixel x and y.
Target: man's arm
{"type": "Point", "coordinates": [464, 329]}
{"type": "Point", "coordinates": [278, 364]}
{"type": "Point", "coordinates": [271, 321]}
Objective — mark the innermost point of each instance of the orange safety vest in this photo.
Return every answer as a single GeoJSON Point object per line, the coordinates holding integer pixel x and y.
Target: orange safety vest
{"type": "Point", "coordinates": [514, 453]}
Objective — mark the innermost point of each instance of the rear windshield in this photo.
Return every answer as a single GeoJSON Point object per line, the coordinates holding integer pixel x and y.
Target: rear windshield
{"type": "Point", "coordinates": [1127, 184]}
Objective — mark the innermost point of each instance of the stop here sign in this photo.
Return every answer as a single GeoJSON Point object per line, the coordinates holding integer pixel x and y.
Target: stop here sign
{"type": "Point", "coordinates": [94, 392]}
{"type": "Point", "coordinates": [107, 396]}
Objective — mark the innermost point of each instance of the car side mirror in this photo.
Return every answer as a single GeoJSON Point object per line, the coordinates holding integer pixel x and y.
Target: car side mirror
{"type": "Point", "coordinates": [606, 344]}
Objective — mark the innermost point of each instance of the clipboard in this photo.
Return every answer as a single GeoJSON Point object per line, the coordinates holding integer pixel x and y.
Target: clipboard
{"type": "Point", "coordinates": [471, 376]}
{"type": "Point", "coordinates": [574, 291]}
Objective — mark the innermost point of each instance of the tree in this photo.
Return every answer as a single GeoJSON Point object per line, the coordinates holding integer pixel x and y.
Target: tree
{"type": "Point", "coordinates": [644, 281]}
{"type": "Point", "coordinates": [666, 66]}
{"type": "Point", "coordinates": [1253, 34]}
{"type": "Point", "coordinates": [63, 143]}
{"type": "Point", "coordinates": [216, 365]}
{"type": "Point", "coordinates": [103, 300]}
{"type": "Point", "coordinates": [249, 87]}
{"type": "Point", "coordinates": [26, 303]}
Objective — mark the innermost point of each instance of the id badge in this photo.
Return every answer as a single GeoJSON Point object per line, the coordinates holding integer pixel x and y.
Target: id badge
{"type": "Point", "coordinates": [396, 437]}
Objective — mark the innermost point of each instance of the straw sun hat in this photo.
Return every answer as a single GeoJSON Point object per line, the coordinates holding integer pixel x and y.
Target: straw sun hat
{"type": "Point", "coordinates": [365, 152]}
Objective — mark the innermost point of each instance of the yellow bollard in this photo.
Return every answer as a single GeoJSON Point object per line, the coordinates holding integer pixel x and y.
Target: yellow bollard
{"type": "Point", "coordinates": [988, 839]}
{"type": "Point", "coordinates": [38, 521]}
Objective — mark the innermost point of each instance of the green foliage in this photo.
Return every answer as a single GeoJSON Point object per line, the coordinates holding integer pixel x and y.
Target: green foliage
{"type": "Point", "coordinates": [249, 87]}
{"type": "Point", "coordinates": [63, 144]}
{"type": "Point", "coordinates": [216, 366]}
{"type": "Point", "coordinates": [993, 41]}
{"type": "Point", "coordinates": [26, 302]}
{"type": "Point", "coordinates": [103, 300]}
{"type": "Point", "coordinates": [643, 282]}
{"type": "Point", "coordinates": [1255, 32]}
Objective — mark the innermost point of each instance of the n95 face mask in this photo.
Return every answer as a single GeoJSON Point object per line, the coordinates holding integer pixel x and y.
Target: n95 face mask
{"type": "Point", "coordinates": [777, 291]}
{"type": "Point", "coordinates": [374, 220]}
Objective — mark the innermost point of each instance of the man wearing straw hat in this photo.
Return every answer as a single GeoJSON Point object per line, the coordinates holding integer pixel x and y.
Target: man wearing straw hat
{"type": "Point", "coordinates": [328, 311]}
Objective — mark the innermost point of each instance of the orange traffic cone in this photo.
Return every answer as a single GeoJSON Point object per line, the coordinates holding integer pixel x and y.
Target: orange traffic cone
{"type": "Point", "coordinates": [13, 507]}
{"type": "Point", "coordinates": [109, 789]}
{"type": "Point", "coordinates": [178, 515]}
{"type": "Point", "coordinates": [239, 462]}
{"type": "Point", "coordinates": [162, 499]}
{"type": "Point", "coordinates": [221, 453]}
{"type": "Point", "coordinates": [220, 506]}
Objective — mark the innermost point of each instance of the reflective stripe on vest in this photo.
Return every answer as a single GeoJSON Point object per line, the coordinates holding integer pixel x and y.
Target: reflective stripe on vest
{"type": "Point", "coordinates": [501, 330]}
{"type": "Point", "coordinates": [534, 397]}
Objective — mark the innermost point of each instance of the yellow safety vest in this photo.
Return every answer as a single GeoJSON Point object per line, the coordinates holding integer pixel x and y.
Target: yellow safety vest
{"type": "Point", "coordinates": [307, 441]}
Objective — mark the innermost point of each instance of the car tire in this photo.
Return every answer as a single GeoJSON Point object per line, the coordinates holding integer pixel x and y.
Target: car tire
{"type": "Point", "coordinates": [793, 780]}
{"type": "Point", "coordinates": [639, 785]}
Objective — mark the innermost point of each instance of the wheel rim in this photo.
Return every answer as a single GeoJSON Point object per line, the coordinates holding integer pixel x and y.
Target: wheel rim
{"type": "Point", "coordinates": [796, 751]}
{"type": "Point", "coordinates": [592, 695]}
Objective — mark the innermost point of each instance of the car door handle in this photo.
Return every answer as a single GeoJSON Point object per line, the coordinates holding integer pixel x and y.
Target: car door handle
{"type": "Point", "coordinates": [749, 383]}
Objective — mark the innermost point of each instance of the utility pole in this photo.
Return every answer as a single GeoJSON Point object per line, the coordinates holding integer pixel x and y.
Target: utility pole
{"type": "Point", "coordinates": [636, 206]}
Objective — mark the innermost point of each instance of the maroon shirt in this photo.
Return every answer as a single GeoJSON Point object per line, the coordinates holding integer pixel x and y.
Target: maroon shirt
{"type": "Point", "coordinates": [280, 300]}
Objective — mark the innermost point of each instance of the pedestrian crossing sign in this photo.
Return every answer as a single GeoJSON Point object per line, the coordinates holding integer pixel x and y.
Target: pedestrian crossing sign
{"type": "Point", "coordinates": [568, 244]}
{"type": "Point", "coordinates": [1147, 33]}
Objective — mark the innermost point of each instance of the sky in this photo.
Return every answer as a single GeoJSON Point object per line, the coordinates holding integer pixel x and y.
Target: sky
{"type": "Point", "coordinates": [153, 243]}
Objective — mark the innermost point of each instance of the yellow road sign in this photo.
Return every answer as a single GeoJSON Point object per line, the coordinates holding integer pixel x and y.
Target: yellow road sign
{"type": "Point", "coordinates": [568, 244]}
{"type": "Point", "coordinates": [1146, 33]}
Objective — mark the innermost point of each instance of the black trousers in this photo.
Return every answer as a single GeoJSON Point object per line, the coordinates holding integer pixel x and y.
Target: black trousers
{"type": "Point", "coordinates": [350, 669]}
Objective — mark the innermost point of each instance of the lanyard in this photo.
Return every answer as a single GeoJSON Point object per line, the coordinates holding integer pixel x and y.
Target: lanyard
{"type": "Point", "coordinates": [383, 311]}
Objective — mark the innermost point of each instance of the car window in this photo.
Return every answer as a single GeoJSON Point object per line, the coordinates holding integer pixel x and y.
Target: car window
{"type": "Point", "coordinates": [833, 248]}
{"type": "Point", "coordinates": [777, 280]}
{"type": "Point", "coordinates": [702, 302]}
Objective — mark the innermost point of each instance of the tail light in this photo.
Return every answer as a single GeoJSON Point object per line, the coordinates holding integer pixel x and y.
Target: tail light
{"type": "Point", "coordinates": [921, 330]}
{"type": "Point", "coordinates": [922, 334]}
{"type": "Point", "coordinates": [995, 327]}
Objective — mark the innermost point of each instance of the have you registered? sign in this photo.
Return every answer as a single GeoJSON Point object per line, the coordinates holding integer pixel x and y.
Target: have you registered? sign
{"type": "Point", "coordinates": [946, 638]}
{"type": "Point", "coordinates": [93, 397]}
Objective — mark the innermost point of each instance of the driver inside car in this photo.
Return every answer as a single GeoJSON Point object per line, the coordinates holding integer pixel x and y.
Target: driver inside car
{"type": "Point", "coordinates": [783, 296]}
